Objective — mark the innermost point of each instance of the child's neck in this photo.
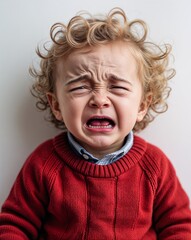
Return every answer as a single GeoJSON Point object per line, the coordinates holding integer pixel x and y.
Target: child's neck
{"type": "Point", "coordinates": [95, 154]}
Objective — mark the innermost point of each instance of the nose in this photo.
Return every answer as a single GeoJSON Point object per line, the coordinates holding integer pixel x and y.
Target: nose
{"type": "Point", "coordinates": [99, 100]}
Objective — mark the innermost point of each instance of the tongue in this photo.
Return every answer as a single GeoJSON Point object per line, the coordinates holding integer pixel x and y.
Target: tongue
{"type": "Point", "coordinates": [99, 122]}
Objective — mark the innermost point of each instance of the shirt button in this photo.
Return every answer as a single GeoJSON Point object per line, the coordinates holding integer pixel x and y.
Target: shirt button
{"type": "Point", "coordinates": [85, 156]}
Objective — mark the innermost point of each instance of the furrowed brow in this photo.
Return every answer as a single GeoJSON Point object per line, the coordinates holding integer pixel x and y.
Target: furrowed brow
{"type": "Point", "coordinates": [77, 79]}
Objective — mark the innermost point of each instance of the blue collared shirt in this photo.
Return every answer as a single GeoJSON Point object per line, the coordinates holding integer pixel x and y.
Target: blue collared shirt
{"type": "Point", "coordinates": [107, 159]}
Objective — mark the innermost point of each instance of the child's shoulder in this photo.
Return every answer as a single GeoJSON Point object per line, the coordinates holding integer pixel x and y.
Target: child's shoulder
{"type": "Point", "coordinates": [154, 161]}
{"type": "Point", "coordinates": [44, 157]}
{"type": "Point", "coordinates": [155, 165]}
{"type": "Point", "coordinates": [47, 148]}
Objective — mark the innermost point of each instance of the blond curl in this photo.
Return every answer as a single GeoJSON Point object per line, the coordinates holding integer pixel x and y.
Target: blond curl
{"type": "Point", "coordinates": [82, 31]}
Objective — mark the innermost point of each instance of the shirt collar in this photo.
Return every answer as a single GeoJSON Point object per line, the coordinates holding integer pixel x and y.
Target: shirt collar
{"type": "Point", "coordinates": [107, 159]}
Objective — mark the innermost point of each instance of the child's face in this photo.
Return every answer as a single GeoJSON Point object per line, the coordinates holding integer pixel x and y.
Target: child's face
{"type": "Point", "coordinates": [98, 96]}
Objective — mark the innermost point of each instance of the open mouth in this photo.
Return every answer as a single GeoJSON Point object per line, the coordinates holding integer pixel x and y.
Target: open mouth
{"type": "Point", "coordinates": [100, 123]}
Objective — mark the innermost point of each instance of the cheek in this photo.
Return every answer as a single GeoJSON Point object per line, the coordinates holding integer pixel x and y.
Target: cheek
{"type": "Point", "coordinates": [127, 111]}
{"type": "Point", "coordinates": [71, 112]}
{"type": "Point", "coordinates": [129, 105]}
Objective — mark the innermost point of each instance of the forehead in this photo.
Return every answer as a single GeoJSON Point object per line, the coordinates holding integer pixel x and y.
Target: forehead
{"type": "Point", "coordinates": [115, 56]}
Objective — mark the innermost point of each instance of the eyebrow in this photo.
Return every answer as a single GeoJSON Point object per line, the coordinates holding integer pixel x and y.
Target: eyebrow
{"type": "Point", "coordinates": [117, 78]}
{"type": "Point", "coordinates": [77, 79]}
{"type": "Point", "coordinates": [87, 77]}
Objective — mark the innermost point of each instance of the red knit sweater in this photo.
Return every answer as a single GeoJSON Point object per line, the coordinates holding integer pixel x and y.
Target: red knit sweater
{"type": "Point", "coordinates": [58, 195]}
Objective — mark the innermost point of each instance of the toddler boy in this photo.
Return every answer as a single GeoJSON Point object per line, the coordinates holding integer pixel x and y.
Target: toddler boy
{"type": "Point", "coordinates": [101, 82]}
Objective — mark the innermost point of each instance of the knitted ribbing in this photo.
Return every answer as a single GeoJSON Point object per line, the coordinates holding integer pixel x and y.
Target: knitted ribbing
{"type": "Point", "coordinates": [113, 170]}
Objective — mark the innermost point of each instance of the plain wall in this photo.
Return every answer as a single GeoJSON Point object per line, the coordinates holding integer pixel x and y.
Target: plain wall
{"type": "Point", "coordinates": [26, 23]}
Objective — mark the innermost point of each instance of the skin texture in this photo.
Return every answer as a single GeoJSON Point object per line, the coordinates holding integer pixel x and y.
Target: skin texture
{"type": "Point", "coordinates": [99, 96]}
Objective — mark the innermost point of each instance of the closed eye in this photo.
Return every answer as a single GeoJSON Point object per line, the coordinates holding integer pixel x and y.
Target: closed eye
{"type": "Point", "coordinates": [119, 87]}
{"type": "Point", "coordinates": [80, 89]}
{"type": "Point", "coordinates": [119, 90]}
{"type": "Point", "coordinates": [76, 88]}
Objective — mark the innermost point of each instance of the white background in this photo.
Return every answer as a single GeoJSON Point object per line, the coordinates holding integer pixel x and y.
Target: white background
{"type": "Point", "coordinates": [26, 23]}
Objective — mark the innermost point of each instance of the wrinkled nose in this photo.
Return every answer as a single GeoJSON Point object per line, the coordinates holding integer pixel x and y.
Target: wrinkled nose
{"type": "Point", "coordinates": [99, 100]}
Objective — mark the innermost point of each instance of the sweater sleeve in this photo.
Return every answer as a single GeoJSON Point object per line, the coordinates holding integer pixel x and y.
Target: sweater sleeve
{"type": "Point", "coordinates": [172, 215]}
{"type": "Point", "coordinates": [24, 209]}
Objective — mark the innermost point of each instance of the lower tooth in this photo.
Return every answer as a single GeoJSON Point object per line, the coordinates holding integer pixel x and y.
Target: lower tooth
{"type": "Point", "coordinates": [109, 126]}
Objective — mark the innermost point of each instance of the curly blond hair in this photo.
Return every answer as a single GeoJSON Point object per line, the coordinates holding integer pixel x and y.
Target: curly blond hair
{"type": "Point", "coordinates": [86, 30]}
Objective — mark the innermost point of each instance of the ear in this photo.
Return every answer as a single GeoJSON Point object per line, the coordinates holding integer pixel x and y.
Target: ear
{"type": "Point", "coordinates": [144, 108]}
{"type": "Point", "coordinates": [54, 105]}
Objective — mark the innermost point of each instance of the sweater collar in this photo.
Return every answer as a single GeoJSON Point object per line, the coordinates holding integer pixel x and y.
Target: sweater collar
{"type": "Point", "coordinates": [77, 163]}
